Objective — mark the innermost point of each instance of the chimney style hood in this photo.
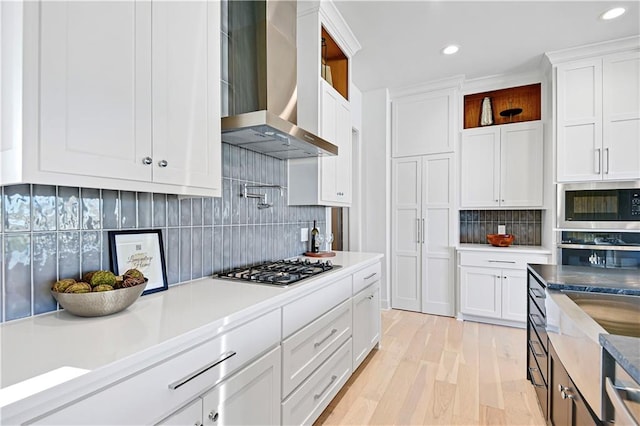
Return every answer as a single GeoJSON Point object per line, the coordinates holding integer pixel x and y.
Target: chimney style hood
{"type": "Point", "coordinates": [262, 77]}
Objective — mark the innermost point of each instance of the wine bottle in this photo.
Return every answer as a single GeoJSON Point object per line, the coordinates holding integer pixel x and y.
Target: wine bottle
{"type": "Point", "coordinates": [314, 235]}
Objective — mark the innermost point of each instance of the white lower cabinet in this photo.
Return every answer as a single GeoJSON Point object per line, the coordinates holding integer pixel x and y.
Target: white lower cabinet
{"type": "Point", "coordinates": [250, 397]}
{"type": "Point", "coordinates": [308, 401]}
{"type": "Point", "coordinates": [282, 367]}
{"type": "Point", "coordinates": [493, 285]}
{"type": "Point", "coordinates": [306, 350]}
{"type": "Point", "coordinates": [161, 389]}
{"type": "Point", "coordinates": [189, 415]}
{"type": "Point", "coordinates": [366, 322]}
{"type": "Point", "coordinates": [256, 386]}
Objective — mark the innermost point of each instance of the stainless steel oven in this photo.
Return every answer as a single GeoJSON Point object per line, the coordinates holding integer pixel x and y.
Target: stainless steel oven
{"type": "Point", "coordinates": [600, 249]}
{"type": "Point", "coordinates": [599, 205]}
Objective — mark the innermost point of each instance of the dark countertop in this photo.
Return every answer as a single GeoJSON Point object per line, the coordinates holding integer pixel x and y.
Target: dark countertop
{"type": "Point", "coordinates": [625, 350]}
{"type": "Point", "coordinates": [585, 278]}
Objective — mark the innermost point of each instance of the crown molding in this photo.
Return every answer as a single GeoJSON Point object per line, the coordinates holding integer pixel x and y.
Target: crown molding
{"type": "Point", "coordinates": [595, 49]}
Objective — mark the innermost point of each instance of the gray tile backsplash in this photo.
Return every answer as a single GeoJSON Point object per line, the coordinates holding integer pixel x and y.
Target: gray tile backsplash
{"type": "Point", "coordinates": [526, 225]}
{"type": "Point", "coordinates": [49, 232]}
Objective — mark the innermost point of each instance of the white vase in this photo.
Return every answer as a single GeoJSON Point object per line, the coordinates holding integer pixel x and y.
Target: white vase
{"type": "Point", "coordinates": [486, 116]}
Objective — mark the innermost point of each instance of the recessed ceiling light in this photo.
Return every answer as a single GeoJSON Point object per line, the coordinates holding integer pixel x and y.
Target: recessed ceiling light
{"type": "Point", "coordinates": [612, 13]}
{"type": "Point", "coordinates": [451, 49]}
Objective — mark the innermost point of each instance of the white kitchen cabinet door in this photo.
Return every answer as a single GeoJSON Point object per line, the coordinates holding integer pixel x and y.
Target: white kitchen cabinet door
{"type": "Point", "coordinates": [521, 165]}
{"type": "Point", "coordinates": [335, 176]}
{"type": "Point", "coordinates": [406, 262]}
{"type": "Point", "coordinates": [186, 93]}
{"type": "Point", "coordinates": [579, 121]}
{"type": "Point", "coordinates": [250, 397]}
{"type": "Point", "coordinates": [621, 116]}
{"type": "Point", "coordinates": [423, 123]}
{"type": "Point", "coordinates": [422, 258]}
{"type": "Point", "coordinates": [366, 322]}
{"type": "Point", "coordinates": [191, 415]}
{"type": "Point", "coordinates": [481, 292]}
{"type": "Point", "coordinates": [95, 88]}
{"type": "Point", "coordinates": [514, 295]}
{"type": "Point", "coordinates": [480, 167]}
{"type": "Point", "coordinates": [437, 240]}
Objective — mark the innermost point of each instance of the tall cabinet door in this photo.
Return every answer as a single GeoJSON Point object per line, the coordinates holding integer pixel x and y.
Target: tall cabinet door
{"type": "Point", "coordinates": [437, 256]}
{"type": "Point", "coordinates": [521, 164]}
{"type": "Point", "coordinates": [406, 268]}
{"type": "Point", "coordinates": [186, 93]}
{"type": "Point", "coordinates": [329, 131]}
{"type": "Point", "coordinates": [95, 88]}
{"type": "Point", "coordinates": [579, 121]}
{"type": "Point", "coordinates": [480, 167]}
{"type": "Point", "coordinates": [343, 172]}
{"type": "Point", "coordinates": [621, 116]}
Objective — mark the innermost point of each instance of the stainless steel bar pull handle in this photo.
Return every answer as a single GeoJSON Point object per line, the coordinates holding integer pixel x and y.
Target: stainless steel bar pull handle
{"type": "Point", "coordinates": [598, 161]}
{"type": "Point", "coordinates": [606, 170]}
{"type": "Point", "coordinates": [501, 261]}
{"type": "Point", "coordinates": [422, 230]}
{"type": "Point", "coordinates": [318, 395]}
{"type": "Point", "coordinates": [622, 413]}
{"type": "Point", "coordinates": [316, 344]}
{"type": "Point", "coordinates": [368, 277]}
{"type": "Point", "coordinates": [225, 356]}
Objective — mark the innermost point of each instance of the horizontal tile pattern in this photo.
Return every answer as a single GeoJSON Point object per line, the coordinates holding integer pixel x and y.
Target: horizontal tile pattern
{"type": "Point", "coordinates": [49, 232]}
{"type": "Point", "coordinates": [526, 225]}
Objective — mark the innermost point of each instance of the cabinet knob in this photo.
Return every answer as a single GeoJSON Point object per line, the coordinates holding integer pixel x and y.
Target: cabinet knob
{"type": "Point", "coordinates": [162, 163]}
{"type": "Point", "coordinates": [213, 416]}
{"type": "Point", "coordinates": [147, 160]}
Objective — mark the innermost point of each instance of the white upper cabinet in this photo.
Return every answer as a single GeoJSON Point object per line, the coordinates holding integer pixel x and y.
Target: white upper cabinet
{"type": "Point", "coordinates": [95, 89]}
{"type": "Point", "coordinates": [423, 123]}
{"type": "Point", "coordinates": [324, 106]}
{"type": "Point", "coordinates": [501, 166]}
{"type": "Point", "coordinates": [598, 118]}
{"type": "Point", "coordinates": [122, 95]}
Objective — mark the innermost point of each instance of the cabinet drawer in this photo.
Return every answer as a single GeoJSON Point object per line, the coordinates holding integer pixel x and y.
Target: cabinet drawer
{"type": "Point", "coordinates": [538, 351]}
{"type": "Point", "coordinates": [366, 276]}
{"type": "Point", "coordinates": [309, 400]}
{"type": "Point", "coordinates": [535, 377]}
{"type": "Point", "coordinates": [537, 294]}
{"type": "Point", "coordinates": [304, 351]}
{"type": "Point", "coordinates": [161, 389]}
{"type": "Point", "coordinates": [537, 323]}
{"type": "Point", "coordinates": [501, 260]}
{"type": "Point", "coordinates": [297, 314]}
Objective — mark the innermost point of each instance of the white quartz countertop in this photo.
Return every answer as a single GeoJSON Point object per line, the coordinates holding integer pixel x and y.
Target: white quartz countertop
{"type": "Point", "coordinates": [510, 249]}
{"type": "Point", "coordinates": [152, 328]}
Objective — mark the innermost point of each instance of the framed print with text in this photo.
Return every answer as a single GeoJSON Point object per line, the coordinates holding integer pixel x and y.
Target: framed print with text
{"type": "Point", "coordinates": [142, 250]}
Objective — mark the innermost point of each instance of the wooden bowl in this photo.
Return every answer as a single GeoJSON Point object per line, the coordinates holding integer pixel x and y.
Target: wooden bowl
{"type": "Point", "coordinates": [500, 240]}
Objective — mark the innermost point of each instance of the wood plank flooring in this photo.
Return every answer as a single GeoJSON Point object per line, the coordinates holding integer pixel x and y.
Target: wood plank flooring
{"type": "Point", "coordinates": [435, 370]}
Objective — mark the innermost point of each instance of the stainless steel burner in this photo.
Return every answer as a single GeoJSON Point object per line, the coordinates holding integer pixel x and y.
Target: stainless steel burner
{"type": "Point", "coordinates": [280, 273]}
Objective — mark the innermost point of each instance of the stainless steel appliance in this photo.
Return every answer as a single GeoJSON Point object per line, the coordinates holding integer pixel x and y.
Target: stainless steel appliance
{"type": "Point", "coordinates": [262, 81]}
{"type": "Point", "coordinates": [599, 205]}
{"type": "Point", "coordinates": [280, 273]}
{"type": "Point", "coordinates": [600, 249]}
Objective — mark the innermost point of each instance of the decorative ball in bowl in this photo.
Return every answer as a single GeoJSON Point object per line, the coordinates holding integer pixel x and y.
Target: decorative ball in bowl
{"type": "Point", "coordinates": [105, 294]}
{"type": "Point", "coordinates": [500, 240]}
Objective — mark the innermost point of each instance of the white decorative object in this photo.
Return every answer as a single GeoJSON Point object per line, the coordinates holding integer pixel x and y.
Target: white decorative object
{"type": "Point", "coordinates": [486, 117]}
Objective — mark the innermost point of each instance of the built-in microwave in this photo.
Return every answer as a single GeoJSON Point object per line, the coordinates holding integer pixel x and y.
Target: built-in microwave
{"type": "Point", "coordinates": [599, 205]}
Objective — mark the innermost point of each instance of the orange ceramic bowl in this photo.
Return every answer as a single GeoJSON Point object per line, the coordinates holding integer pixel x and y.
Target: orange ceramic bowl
{"type": "Point", "coordinates": [500, 240]}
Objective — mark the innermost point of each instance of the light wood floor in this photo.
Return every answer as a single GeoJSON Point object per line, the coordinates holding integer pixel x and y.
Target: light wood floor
{"type": "Point", "coordinates": [437, 370]}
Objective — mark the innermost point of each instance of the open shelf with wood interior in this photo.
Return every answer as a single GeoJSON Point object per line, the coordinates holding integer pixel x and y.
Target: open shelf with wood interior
{"type": "Point", "coordinates": [336, 72]}
{"type": "Point", "coordinates": [525, 97]}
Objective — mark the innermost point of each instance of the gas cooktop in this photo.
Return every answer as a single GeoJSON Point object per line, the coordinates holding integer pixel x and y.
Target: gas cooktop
{"type": "Point", "coordinates": [281, 273]}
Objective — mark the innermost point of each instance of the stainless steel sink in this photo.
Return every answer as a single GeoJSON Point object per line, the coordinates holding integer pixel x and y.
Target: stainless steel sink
{"type": "Point", "coordinates": [616, 313]}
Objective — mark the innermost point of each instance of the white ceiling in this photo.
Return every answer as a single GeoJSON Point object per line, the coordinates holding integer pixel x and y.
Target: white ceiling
{"type": "Point", "coordinates": [401, 40]}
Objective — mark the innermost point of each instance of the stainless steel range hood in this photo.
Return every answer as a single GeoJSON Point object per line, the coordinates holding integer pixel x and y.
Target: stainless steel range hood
{"type": "Point", "coordinates": [262, 77]}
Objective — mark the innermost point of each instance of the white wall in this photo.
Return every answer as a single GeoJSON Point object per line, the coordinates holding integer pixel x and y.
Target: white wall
{"type": "Point", "coordinates": [376, 181]}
